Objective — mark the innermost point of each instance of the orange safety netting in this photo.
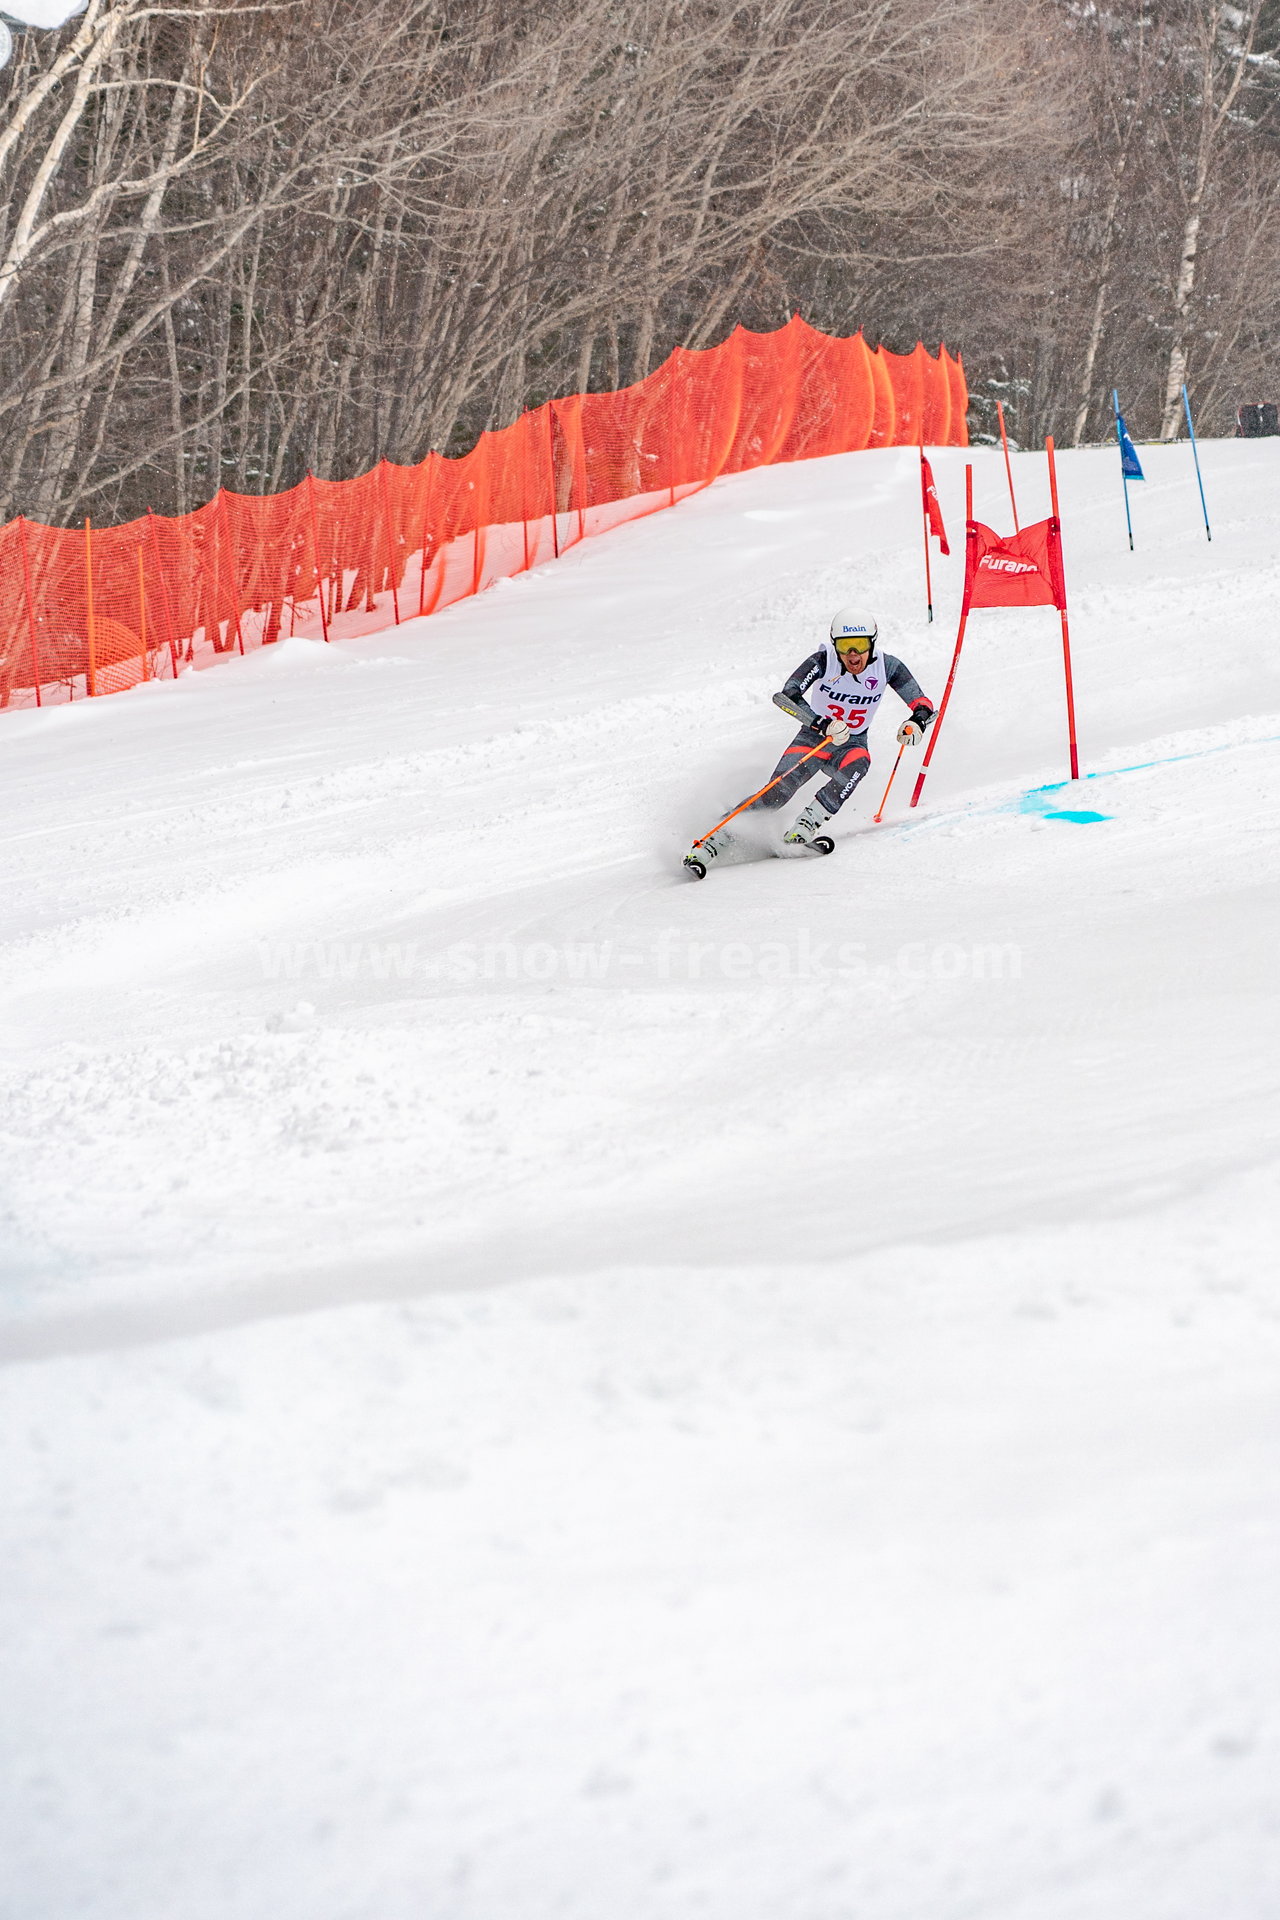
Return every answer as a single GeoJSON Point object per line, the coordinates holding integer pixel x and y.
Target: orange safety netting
{"type": "Point", "coordinates": [95, 610]}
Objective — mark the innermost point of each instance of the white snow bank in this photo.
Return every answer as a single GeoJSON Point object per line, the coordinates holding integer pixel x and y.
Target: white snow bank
{"type": "Point", "coordinates": [35, 13]}
{"type": "Point", "coordinates": [43, 13]}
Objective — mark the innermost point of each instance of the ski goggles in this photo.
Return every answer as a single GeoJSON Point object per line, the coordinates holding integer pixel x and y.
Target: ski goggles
{"type": "Point", "coordinates": [849, 643]}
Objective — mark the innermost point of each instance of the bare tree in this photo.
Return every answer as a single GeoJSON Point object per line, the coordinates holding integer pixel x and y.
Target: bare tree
{"type": "Point", "coordinates": [1219, 48]}
{"type": "Point", "coordinates": [242, 239]}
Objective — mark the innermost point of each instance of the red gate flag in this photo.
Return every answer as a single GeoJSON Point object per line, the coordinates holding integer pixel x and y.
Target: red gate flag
{"type": "Point", "coordinates": [931, 522]}
{"type": "Point", "coordinates": [933, 512]}
{"type": "Point", "coordinates": [1022, 570]}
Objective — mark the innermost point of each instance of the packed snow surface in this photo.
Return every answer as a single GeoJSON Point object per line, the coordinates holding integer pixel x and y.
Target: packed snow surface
{"type": "Point", "coordinates": [540, 1388]}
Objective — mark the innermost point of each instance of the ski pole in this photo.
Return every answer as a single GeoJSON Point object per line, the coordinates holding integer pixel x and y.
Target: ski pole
{"type": "Point", "coordinates": [768, 788]}
{"type": "Point", "coordinates": [897, 763]}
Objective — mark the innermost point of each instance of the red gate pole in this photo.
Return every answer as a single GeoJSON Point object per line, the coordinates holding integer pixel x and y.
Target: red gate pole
{"type": "Point", "coordinates": [1056, 530]}
{"type": "Point", "coordinates": [315, 543]}
{"type": "Point", "coordinates": [924, 515]}
{"type": "Point", "coordinates": [964, 620]}
{"type": "Point", "coordinates": [31, 611]}
{"type": "Point", "coordinates": [1004, 442]}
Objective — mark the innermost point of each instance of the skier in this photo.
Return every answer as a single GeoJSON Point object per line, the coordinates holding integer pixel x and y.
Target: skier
{"type": "Point", "coordinates": [834, 694]}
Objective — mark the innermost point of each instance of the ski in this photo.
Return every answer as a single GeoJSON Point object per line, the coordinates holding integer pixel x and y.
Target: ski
{"type": "Point", "coordinates": [697, 866]}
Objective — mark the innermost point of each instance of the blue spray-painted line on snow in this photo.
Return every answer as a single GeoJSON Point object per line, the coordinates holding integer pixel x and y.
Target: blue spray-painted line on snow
{"type": "Point", "coordinates": [1035, 799]}
{"type": "Point", "coordinates": [1144, 766]}
{"type": "Point", "coordinates": [1040, 800]}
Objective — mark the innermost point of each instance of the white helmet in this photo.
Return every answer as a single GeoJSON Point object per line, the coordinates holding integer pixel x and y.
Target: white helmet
{"type": "Point", "coordinates": [851, 624]}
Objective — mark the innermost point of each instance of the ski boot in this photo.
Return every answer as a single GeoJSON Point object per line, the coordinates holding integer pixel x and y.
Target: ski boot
{"type": "Point", "coordinates": [803, 832]}
{"type": "Point", "coordinates": [700, 857]}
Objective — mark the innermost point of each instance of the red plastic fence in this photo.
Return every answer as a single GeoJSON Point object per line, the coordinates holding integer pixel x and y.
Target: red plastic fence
{"type": "Point", "coordinates": [95, 610]}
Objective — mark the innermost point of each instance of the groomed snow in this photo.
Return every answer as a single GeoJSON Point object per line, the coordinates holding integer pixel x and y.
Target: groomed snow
{"type": "Point", "coordinates": [540, 1389]}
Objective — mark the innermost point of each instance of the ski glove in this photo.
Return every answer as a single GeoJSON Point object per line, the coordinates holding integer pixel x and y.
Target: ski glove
{"type": "Point", "coordinates": [909, 733]}
{"type": "Point", "coordinates": [837, 732]}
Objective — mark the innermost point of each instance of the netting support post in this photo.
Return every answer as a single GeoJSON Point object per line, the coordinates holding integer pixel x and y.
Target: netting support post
{"type": "Point", "coordinates": [142, 619]}
{"type": "Point", "coordinates": [315, 545]}
{"type": "Point", "coordinates": [426, 535]}
{"type": "Point", "coordinates": [164, 591]}
{"type": "Point", "coordinates": [91, 674]}
{"type": "Point", "coordinates": [580, 469]}
{"type": "Point", "coordinates": [555, 498]}
{"type": "Point", "coordinates": [31, 607]}
{"type": "Point", "coordinates": [391, 554]}
{"type": "Point", "coordinates": [231, 562]}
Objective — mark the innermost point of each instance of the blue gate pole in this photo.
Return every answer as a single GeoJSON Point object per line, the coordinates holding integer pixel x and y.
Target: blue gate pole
{"type": "Point", "coordinates": [1195, 454]}
{"type": "Point", "coordinates": [1115, 401]}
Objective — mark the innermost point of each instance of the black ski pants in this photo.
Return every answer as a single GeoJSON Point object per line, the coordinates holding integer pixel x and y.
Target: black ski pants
{"type": "Point", "coordinates": [847, 765]}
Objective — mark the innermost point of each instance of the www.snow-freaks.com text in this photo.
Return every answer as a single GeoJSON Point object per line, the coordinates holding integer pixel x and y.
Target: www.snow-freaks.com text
{"type": "Point", "coordinates": [671, 957]}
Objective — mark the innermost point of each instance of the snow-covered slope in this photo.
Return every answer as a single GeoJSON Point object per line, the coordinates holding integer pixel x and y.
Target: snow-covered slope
{"type": "Point", "coordinates": [540, 1388]}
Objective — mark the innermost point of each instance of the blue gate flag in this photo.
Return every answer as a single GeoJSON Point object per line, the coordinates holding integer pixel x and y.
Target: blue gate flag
{"type": "Point", "coordinates": [1130, 465]}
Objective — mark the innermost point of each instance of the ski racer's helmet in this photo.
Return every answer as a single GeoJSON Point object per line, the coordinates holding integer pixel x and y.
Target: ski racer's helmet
{"type": "Point", "coordinates": [854, 632]}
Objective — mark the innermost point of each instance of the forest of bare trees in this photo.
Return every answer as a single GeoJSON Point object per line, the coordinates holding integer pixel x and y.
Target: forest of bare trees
{"type": "Point", "coordinates": [247, 240]}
